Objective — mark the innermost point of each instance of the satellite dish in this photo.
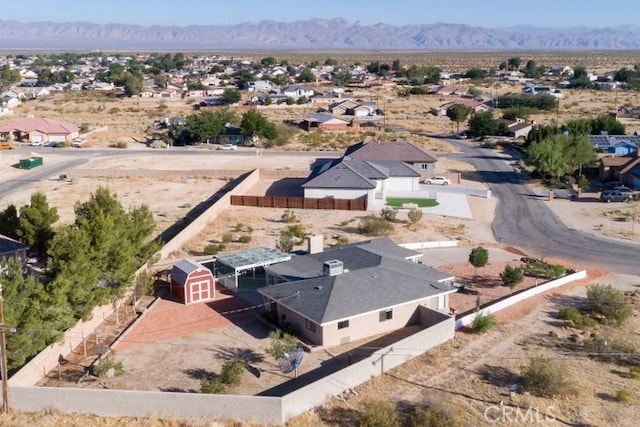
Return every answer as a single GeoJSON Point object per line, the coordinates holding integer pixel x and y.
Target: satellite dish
{"type": "Point", "coordinates": [291, 360]}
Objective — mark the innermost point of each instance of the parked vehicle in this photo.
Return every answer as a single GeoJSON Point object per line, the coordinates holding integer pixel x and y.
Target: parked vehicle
{"type": "Point", "coordinates": [227, 147]}
{"type": "Point", "coordinates": [461, 136]}
{"type": "Point", "coordinates": [615, 196]}
{"type": "Point", "coordinates": [6, 147]}
{"type": "Point", "coordinates": [50, 144]}
{"type": "Point", "coordinates": [623, 189]}
{"type": "Point", "coordinates": [440, 180]}
{"type": "Point", "coordinates": [79, 142]}
{"type": "Point", "coordinates": [36, 143]}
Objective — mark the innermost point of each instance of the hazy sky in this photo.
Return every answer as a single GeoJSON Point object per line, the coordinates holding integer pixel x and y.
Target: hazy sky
{"type": "Point", "coordinates": [488, 13]}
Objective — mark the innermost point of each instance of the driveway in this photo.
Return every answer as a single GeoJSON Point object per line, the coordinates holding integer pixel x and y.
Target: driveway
{"type": "Point", "coordinates": [452, 200]}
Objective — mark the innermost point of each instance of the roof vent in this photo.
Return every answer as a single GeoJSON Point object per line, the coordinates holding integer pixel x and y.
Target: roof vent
{"type": "Point", "coordinates": [317, 288]}
{"type": "Point", "coordinates": [332, 267]}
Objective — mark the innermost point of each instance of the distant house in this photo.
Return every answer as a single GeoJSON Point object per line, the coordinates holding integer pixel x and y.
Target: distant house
{"type": "Point", "coordinates": [517, 128]}
{"type": "Point", "coordinates": [618, 145]}
{"type": "Point", "coordinates": [625, 169]}
{"type": "Point", "coordinates": [420, 159]}
{"type": "Point", "coordinates": [11, 248]}
{"type": "Point", "coordinates": [296, 92]}
{"type": "Point", "coordinates": [40, 130]}
{"type": "Point", "coordinates": [560, 70]}
{"type": "Point", "coordinates": [352, 292]}
{"type": "Point", "coordinates": [259, 86]}
{"type": "Point", "coordinates": [325, 122]}
{"type": "Point", "coordinates": [191, 282]}
{"type": "Point", "coordinates": [475, 105]}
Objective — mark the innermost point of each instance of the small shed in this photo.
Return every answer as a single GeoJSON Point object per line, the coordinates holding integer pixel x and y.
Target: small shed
{"type": "Point", "coordinates": [192, 282]}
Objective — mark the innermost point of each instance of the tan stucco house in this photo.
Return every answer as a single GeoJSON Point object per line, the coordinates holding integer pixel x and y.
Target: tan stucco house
{"type": "Point", "coordinates": [355, 291]}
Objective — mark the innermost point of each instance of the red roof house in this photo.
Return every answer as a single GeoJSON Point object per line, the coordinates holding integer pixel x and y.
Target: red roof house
{"type": "Point", "coordinates": [192, 282]}
{"type": "Point", "coordinates": [36, 129]}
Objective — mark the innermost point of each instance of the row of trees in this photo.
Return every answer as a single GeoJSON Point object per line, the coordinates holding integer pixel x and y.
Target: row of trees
{"type": "Point", "coordinates": [88, 262]}
{"type": "Point", "coordinates": [211, 123]}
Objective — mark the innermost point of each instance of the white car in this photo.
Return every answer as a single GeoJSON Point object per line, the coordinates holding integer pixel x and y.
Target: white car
{"type": "Point", "coordinates": [227, 147]}
{"type": "Point", "coordinates": [78, 142]}
{"type": "Point", "coordinates": [440, 180]}
{"type": "Point", "coordinates": [36, 144]}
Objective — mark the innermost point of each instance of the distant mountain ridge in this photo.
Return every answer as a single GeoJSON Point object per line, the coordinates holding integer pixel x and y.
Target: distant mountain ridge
{"type": "Point", "coordinates": [334, 33]}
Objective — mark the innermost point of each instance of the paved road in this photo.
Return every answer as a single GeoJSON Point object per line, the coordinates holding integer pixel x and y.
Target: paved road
{"type": "Point", "coordinates": [523, 219]}
{"type": "Point", "coordinates": [39, 174]}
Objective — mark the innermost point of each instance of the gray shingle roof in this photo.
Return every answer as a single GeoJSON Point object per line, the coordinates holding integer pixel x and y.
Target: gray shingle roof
{"type": "Point", "coordinates": [397, 168]}
{"type": "Point", "coordinates": [391, 150]}
{"type": "Point", "coordinates": [331, 298]}
{"type": "Point", "coordinates": [338, 174]}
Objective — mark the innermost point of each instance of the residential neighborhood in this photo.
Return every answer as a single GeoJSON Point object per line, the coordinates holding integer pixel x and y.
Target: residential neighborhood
{"type": "Point", "coordinates": [321, 225]}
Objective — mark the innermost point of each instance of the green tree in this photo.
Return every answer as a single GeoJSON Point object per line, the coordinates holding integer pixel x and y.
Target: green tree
{"type": "Point", "coordinates": [514, 63]}
{"type": "Point", "coordinates": [547, 156]}
{"type": "Point", "coordinates": [8, 77]}
{"type": "Point", "coordinates": [476, 74]}
{"type": "Point", "coordinates": [286, 241]}
{"type": "Point", "coordinates": [306, 76]}
{"type": "Point", "coordinates": [458, 113]}
{"type": "Point", "coordinates": [478, 257]}
{"type": "Point", "coordinates": [254, 123]}
{"type": "Point", "coordinates": [268, 61]}
{"type": "Point", "coordinates": [231, 96]}
{"type": "Point", "coordinates": [342, 77]}
{"type": "Point", "coordinates": [133, 84]}
{"type": "Point", "coordinates": [330, 62]}
{"type": "Point", "coordinates": [208, 123]}
{"type": "Point", "coordinates": [512, 276]}
{"type": "Point", "coordinates": [532, 70]}
{"type": "Point", "coordinates": [9, 222]}
{"type": "Point", "coordinates": [580, 78]}
{"type": "Point", "coordinates": [26, 314]}
{"type": "Point", "coordinates": [36, 223]}
{"type": "Point", "coordinates": [482, 123]}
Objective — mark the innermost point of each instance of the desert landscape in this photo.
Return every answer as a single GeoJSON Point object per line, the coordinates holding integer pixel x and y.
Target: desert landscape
{"type": "Point", "coordinates": [461, 378]}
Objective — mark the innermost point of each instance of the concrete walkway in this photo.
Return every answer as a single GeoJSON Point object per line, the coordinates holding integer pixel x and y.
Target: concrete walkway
{"type": "Point", "coordinates": [449, 203]}
{"type": "Point", "coordinates": [437, 257]}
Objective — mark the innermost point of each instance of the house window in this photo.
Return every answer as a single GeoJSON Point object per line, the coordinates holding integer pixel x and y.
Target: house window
{"type": "Point", "coordinates": [310, 325]}
{"type": "Point", "coordinates": [386, 315]}
{"type": "Point", "coordinates": [424, 166]}
{"type": "Point", "coordinates": [343, 324]}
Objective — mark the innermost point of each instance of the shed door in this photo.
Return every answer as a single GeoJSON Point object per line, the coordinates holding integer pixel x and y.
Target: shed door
{"type": "Point", "coordinates": [200, 291]}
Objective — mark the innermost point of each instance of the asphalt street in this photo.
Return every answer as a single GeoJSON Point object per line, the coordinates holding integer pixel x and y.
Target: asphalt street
{"type": "Point", "coordinates": [522, 219]}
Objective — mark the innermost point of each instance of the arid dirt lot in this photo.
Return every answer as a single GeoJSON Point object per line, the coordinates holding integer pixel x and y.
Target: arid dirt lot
{"type": "Point", "coordinates": [462, 377]}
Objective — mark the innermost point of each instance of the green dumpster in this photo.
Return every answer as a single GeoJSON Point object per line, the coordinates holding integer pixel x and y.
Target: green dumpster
{"type": "Point", "coordinates": [30, 162]}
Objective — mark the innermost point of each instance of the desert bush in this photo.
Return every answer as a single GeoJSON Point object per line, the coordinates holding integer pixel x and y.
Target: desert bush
{"type": "Point", "coordinates": [158, 144]}
{"type": "Point", "coordinates": [389, 214]}
{"type": "Point", "coordinates": [342, 240]}
{"type": "Point", "coordinates": [286, 241]}
{"type": "Point", "coordinates": [483, 322]}
{"type": "Point", "coordinates": [374, 225]}
{"type": "Point", "coordinates": [545, 377]}
{"type": "Point", "coordinates": [281, 342]}
{"type": "Point", "coordinates": [478, 257]}
{"type": "Point", "coordinates": [213, 248]}
{"type": "Point", "coordinates": [118, 144]}
{"type": "Point", "coordinates": [84, 127]}
{"type": "Point", "coordinates": [102, 368]}
{"type": "Point", "coordinates": [289, 216]}
{"type": "Point", "coordinates": [378, 413]}
{"type": "Point", "coordinates": [227, 237]}
{"type": "Point", "coordinates": [238, 227]}
{"type": "Point", "coordinates": [297, 230]}
{"type": "Point", "coordinates": [211, 386]}
{"type": "Point", "coordinates": [245, 238]}
{"type": "Point", "coordinates": [114, 110]}
{"type": "Point", "coordinates": [428, 417]}
{"type": "Point", "coordinates": [622, 396]}
{"type": "Point", "coordinates": [609, 302]}
{"type": "Point", "coordinates": [232, 371]}
{"type": "Point", "coordinates": [607, 349]}
{"type": "Point", "coordinates": [580, 320]}
{"type": "Point", "coordinates": [541, 268]}
{"type": "Point", "coordinates": [414, 216]}
{"type": "Point", "coordinates": [634, 372]}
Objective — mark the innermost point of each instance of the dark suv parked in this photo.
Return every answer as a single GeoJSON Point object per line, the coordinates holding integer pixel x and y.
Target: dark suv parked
{"type": "Point", "coordinates": [615, 196]}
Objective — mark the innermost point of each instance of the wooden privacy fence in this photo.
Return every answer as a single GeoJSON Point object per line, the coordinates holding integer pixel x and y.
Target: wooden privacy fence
{"type": "Point", "coordinates": [300, 203]}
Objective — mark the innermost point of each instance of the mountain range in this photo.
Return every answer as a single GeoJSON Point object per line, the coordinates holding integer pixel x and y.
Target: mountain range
{"type": "Point", "coordinates": [314, 34]}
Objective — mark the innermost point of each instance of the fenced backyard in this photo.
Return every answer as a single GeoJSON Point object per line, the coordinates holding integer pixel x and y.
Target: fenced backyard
{"type": "Point", "coordinates": [327, 203]}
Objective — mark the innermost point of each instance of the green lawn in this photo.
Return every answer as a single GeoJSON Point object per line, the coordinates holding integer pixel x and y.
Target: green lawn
{"type": "Point", "coordinates": [422, 203]}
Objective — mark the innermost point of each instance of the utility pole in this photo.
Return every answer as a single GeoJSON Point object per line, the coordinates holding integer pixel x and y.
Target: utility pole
{"type": "Point", "coordinates": [3, 349]}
